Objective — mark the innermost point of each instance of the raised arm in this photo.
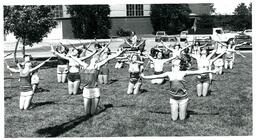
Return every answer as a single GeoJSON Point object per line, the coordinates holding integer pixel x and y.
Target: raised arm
{"type": "Point", "coordinates": [185, 47]}
{"type": "Point", "coordinates": [88, 56]}
{"type": "Point", "coordinates": [80, 62]}
{"type": "Point", "coordinates": [125, 40]}
{"type": "Point", "coordinates": [40, 65]}
{"type": "Point", "coordinates": [234, 47]}
{"type": "Point", "coordinates": [150, 57]}
{"type": "Point", "coordinates": [140, 43]}
{"type": "Point", "coordinates": [11, 69]}
{"type": "Point", "coordinates": [119, 52]}
{"type": "Point", "coordinates": [154, 76]}
{"type": "Point", "coordinates": [63, 45]}
{"type": "Point", "coordinates": [166, 46]}
{"type": "Point", "coordinates": [210, 55]}
{"type": "Point", "coordinates": [214, 59]}
{"type": "Point", "coordinates": [169, 59]}
{"type": "Point", "coordinates": [59, 54]}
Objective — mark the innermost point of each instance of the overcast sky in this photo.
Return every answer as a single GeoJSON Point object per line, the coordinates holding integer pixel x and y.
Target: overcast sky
{"type": "Point", "coordinates": [227, 7]}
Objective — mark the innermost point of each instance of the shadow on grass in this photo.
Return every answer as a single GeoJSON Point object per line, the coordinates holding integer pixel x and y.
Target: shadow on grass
{"type": "Point", "coordinates": [7, 98]}
{"type": "Point", "coordinates": [143, 90]}
{"type": "Point", "coordinates": [112, 81]}
{"type": "Point", "coordinates": [38, 104]}
{"type": "Point", "coordinates": [41, 90]}
{"type": "Point", "coordinates": [62, 128]}
{"type": "Point", "coordinates": [191, 112]}
{"type": "Point", "coordinates": [6, 78]}
{"type": "Point", "coordinates": [159, 112]}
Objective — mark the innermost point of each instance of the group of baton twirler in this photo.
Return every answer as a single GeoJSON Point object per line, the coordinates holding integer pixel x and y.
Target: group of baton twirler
{"type": "Point", "coordinates": [94, 66]}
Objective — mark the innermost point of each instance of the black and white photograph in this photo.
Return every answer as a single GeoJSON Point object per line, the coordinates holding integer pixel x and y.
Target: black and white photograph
{"type": "Point", "coordinates": [126, 69]}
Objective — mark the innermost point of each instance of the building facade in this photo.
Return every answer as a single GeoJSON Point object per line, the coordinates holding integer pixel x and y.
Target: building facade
{"type": "Point", "coordinates": [134, 17]}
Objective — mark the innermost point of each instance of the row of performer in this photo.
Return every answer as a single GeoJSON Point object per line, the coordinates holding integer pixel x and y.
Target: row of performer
{"type": "Point", "coordinates": [94, 66]}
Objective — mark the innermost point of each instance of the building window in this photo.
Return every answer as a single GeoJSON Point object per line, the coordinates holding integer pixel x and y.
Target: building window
{"type": "Point", "coordinates": [58, 11]}
{"type": "Point", "coordinates": [134, 9]}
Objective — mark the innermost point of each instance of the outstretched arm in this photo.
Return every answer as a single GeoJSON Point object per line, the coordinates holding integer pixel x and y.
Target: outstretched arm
{"type": "Point", "coordinates": [214, 59]}
{"type": "Point", "coordinates": [234, 47]}
{"type": "Point", "coordinates": [125, 40]}
{"type": "Point", "coordinates": [185, 47]}
{"type": "Point", "coordinates": [11, 69]}
{"type": "Point", "coordinates": [139, 44]}
{"type": "Point", "coordinates": [169, 59]}
{"type": "Point", "coordinates": [88, 56]}
{"type": "Point", "coordinates": [210, 55]}
{"type": "Point", "coordinates": [150, 57]}
{"type": "Point", "coordinates": [154, 76]}
{"type": "Point", "coordinates": [166, 46]}
{"type": "Point", "coordinates": [80, 62]}
{"type": "Point", "coordinates": [199, 72]}
{"type": "Point", "coordinates": [119, 52]}
{"type": "Point", "coordinates": [40, 65]}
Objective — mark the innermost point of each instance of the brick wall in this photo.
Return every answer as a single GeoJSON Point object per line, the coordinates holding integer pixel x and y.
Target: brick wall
{"type": "Point", "coordinates": [141, 25]}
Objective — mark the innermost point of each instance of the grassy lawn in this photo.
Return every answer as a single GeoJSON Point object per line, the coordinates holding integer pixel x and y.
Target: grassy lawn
{"type": "Point", "coordinates": [226, 112]}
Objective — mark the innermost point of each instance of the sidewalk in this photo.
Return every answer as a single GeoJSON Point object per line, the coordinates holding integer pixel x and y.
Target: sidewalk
{"type": "Point", "coordinates": [10, 46]}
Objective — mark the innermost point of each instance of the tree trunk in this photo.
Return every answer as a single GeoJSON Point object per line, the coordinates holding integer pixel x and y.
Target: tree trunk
{"type": "Point", "coordinates": [15, 51]}
{"type": "Point", "coordinates": [23, 51]}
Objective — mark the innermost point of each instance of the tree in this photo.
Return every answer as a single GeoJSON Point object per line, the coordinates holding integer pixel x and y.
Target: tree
{"type": "Point", "coordinates": [250, 9]}
{"type": "Point", "coordinates": [90, 21]}
{"type": "Point", "coordinates": [242, 18]}
{"type": "Point", "coordinates": [212, 9]}
{"type": "Point", "coordinates": [172, 18]}
{"type": "Point", "coordinates": [205, 21]}
{"type": "Point", "coordinates": [30, 24]}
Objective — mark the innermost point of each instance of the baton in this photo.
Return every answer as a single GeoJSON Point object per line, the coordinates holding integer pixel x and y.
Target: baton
{"type": "Point", "coordinates": [240, 54]}
{"type": "Point", "coordinates": [8, 54]}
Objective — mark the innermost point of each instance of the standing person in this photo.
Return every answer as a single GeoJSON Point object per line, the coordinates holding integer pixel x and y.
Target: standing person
{"type": "Point", "coordinates": [73, 76]}
{"type": "Point", "coordinates": [104, 70]}
{"type": "Point", "coordinates": [135, 68]}
{"type": "Point", "coordinates": [159, 66]}
{"type": "Point", "coordinates": [219, 63]}
{"type": "Point", "coordinates": [134, 38]}
{"type": "Point", "coordinates": [26, 91]}
{"type": "Point", "coordinates": [62, 65]}
{"type": "Point", "coordinates": [204, 62]}
{"type": "Point", "coordinates": [178, 92]}
{"type": "Point", "coordinates": [230, 54]}
{"type": "Point", "coordinates": [91, 91]}
{"type": "Point", "coordinates": [176, 53]}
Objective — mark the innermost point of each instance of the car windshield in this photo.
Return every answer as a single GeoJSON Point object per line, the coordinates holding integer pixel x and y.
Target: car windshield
{"type": "Point", "coordinates": [160, 33]}
{"type": "Point", "coordinates": [243, 37]}
{"type": "Point", "coordinates": [168, 39]}
{"type": "Point", "coordinates": [248, 31]}
{"type": "Point", "coordinates": [183, 39]}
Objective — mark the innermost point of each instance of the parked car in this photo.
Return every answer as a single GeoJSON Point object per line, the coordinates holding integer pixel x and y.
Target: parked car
{"type": "Point", "coordinates": [159, 34]}
{"type": "Point", "coordinates": [243, 38]}
{"type": "Point", "coordinates": [205, 40]}
{"type": "Point", "coordinates": [169, 40]}
{"type": "Point", "coordinates": [248, 32]}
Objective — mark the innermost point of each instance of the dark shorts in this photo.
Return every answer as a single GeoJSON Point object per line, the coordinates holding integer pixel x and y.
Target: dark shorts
{"type": "Point", "coordinates": [104, 71]}
{"type": "Point", "coordinates": [179, 94]}
{"type": "Point", "coordinates": [74, 77]}
{"type": "Point", "coordinates": [203, 78]}
{"type": "Point", "coordinates": [25, 88]}
{"type": "Point", "coordinates": [159, 72]}
{"type": "Point", "coordinates": [135, 80]}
